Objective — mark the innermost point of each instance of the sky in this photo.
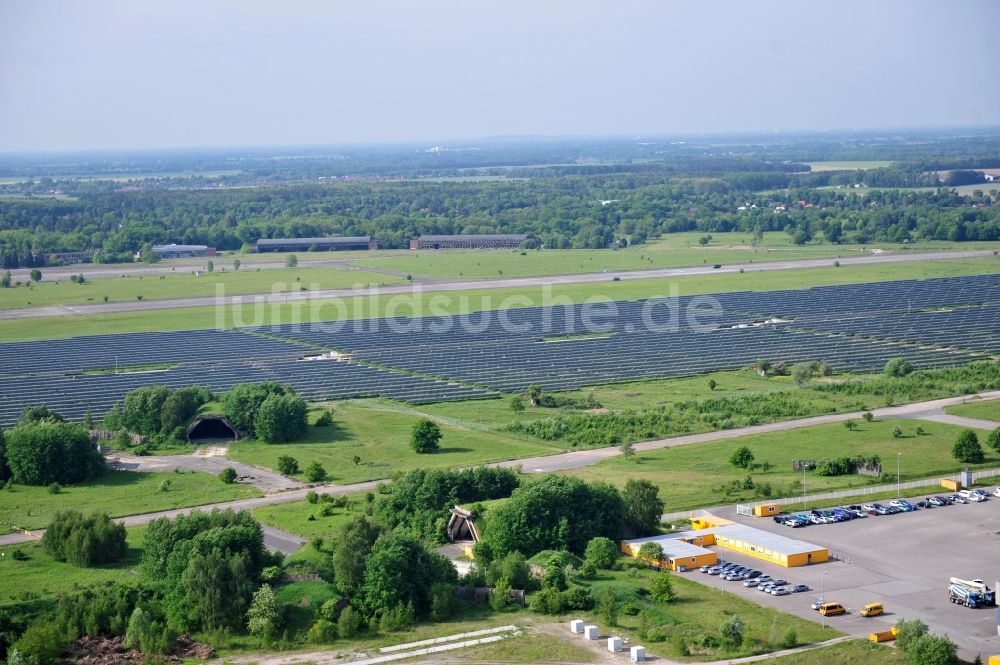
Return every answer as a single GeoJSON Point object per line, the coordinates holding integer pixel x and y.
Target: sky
{"type": "Point", "coordinates": [98, 74]}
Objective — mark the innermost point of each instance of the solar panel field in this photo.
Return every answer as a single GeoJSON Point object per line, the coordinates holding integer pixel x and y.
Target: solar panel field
{"type": "Point", "coordinates": [856, 328]}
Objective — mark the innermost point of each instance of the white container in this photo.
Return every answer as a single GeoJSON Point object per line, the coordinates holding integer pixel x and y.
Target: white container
{"type": "Point", "coordinates": [576, 626]}
{"type": "Point", "coordinates": [614, 644]}
{"type": "Point", "coordinates": [637, 654]}
{"type": "Point", "coordinates": [591, 632]}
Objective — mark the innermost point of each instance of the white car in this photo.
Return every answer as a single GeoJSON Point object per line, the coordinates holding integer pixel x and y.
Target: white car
{"type": "Point", "coordinates": [971, 495]}
{"type": "Point", "coordinates": [996, 492]}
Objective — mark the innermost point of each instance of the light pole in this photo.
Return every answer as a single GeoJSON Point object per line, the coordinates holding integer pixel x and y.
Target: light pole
{"type": "Point", "coordinates": [822, 594]}
{"type": "Point", "coordinates": [898, 455]}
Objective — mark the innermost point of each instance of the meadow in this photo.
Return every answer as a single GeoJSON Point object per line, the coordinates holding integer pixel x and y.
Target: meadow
{"type": "Point", "coordinates": [419, 303]}
{"type": "Point", "coordinates": [42, 576]}
{"type": "Point", "coordinates": [117, 493]}
{"type": "Point", "coordinates": [988, 410]}
{"type": "Point", "coordinates": [186, 284]}
{"type": "Point", "coordinates": [701, 475]}
{"type": "Point", "coordinates": [672, 250]}
{"type": "Point", "coordinates": [371, 442]}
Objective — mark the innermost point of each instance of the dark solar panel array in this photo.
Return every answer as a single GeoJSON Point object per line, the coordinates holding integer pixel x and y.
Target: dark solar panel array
{"type": "Point", "coordinates": [856, 328]}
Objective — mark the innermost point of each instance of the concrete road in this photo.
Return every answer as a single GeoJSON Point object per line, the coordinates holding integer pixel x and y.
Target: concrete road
{"type": "Point", "coordinates": [467, 285]}
{"type": "Point", "coordinates": [212, 460]}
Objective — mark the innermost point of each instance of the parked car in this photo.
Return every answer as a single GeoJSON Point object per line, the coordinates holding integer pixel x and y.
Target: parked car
{"type": "Point", "coordinates": [779, 582]}
{"type": "Point", "coordinates": [996, 492]}
{"type": "Point", "coordinates": [881, 510]}
{"type": "Point", "coordinates": [872, 610]}
{"type": "Point", "coordinates": [958, 498]}
{"type": "Point", "coordinates": [714, 570]}
{"type": "Point", "coordinates": [764, 578]}
{"type": "Point", "coordinates": [754, 575]}
{"type": "Point", "coordinates": [971, 495]}
{"type": "Point", "coordinates": [935, 501]}
{"type": "Point", "coordinates": [750, 583]}
{"type": "Point", "coordinates": [857, 511]}
{"type": "Point", "coordinates": [831, 609]}
{"type": "Point", "coordinates": [904, 506]}
{"type": "Point", "coordinates": [870, 509]}
{"type": "Point", "coordinates": [704, 569]}
{"type": "Point", "coordinates": [766, 588]}
{"type": "Point", "coordinates": [817, 604]}
{"type": "Point", "coordinates": [799, 588]}
{"type": "Point", "coordinates": [780, 591]}
{"type": "Point", "coordinates": [982, 493]}
{"type": "Point", "coordinates": [924, 503]}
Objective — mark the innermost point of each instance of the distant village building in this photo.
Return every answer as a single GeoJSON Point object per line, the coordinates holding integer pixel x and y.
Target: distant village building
{"type": "Point", "coordinates": [500, 241]}
{"type": "Point", "coordinates": [68, 258]}
{"type": "Point", "coordinates": [328, 244]}
{"type": "Point", "coordinates": [174, 251]}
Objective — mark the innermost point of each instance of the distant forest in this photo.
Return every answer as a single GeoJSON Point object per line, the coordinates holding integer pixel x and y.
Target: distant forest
{"type": "Point", "coordinates": [585, 194]}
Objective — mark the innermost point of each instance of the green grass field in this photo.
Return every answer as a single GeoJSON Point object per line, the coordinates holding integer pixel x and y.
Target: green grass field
{"type": "Point", "coordinates": [294, 517]}
{"type": "Point", "coordinates": [118, 493]}
{"type": "Point", "coordinates": [853, 652]}
{"type": "Point", "coordinates": [670, 251]}
{"type": "Point", "coordinates": [419, 303]}
{"type": "Point", "coordinates": [693, 476]}
{"type": "Point", "coordinates": [186, 285]}
{"type": "Point", "coordinates": [989, 410]}
{"type": "Point", "coordinates": [379, 437]}
{"type": "Point", "coordinates": [698, 611]}
{"type": "Point", "coordinates": [43, 576]}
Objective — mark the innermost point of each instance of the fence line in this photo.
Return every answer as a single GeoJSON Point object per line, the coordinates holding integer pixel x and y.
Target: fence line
{"type": "Point", "coordinates": [836, 494]}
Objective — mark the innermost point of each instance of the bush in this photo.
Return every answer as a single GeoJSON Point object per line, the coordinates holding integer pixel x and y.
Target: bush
{"type": "Point", "coordinates": [281, 418]}
{"type": "Point", "coordinates": [425, 437]}
{"type": "Point", "coordinates": [993, 439]}
{"type": "Point", "coordinates": [741, 457]}
{"type": "Point", "coordinates": [898, 367]}
{"type": "Point", "coordinates": [315, 473]}
{"type": "Point", "coordinates": [733, 630]}
{"type": "Point", "coordinates": [325, 419]}
{"type": "Point", "coordinates": [312, 497]}
{"type": "Point", "coordinates": [348, 623]}
{"type": "Point", "coordinates": [601, 552]}
{"type": "Point", "coordinates": [322, 631]}
{"type": "Point", "coordinates": [51, 452]}
{"type": "Point", "coordinates": [84, 541]}
{"type": "Point", "coordinates": [288, 466]}
{"type": "Point", "coordinates": [548, 601]}
{"type": "Point", "coordinates": [791, 639]}
{"type": "Point", "coordinates": [577, 598]}
{"type": "Point", "coordinates": [228, 475]}
{"type": "Point", "coordinates": [661, 587]}
{"type": "Point", "coordinates": [967, 448]}
{"type": "Point", "coordinates": [868, 416]}
{"type": "Point", "coordinates": [55, 488]}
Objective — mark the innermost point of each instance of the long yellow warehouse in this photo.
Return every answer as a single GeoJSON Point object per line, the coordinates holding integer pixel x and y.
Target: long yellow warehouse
{"type": "Point", "coordinates": [710, 530]}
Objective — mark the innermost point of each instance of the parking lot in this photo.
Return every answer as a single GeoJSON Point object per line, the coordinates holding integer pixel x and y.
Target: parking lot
{"type": "Point", "coordinates": [902, 560]}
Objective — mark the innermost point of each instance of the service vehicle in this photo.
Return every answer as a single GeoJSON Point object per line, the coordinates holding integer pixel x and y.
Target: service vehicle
{"type": "Point", "coordinates": [831, 609]}
{"type": "Point", "coordinates": [872, 610]}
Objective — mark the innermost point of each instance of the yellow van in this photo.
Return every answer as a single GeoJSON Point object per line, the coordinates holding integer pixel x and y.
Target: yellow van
{"type": "Point", "coordinates": [831, 609]}
{"type": "Point", "coordinates": [872, 610]}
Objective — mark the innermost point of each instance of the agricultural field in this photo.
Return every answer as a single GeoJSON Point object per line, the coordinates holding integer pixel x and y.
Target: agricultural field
{"type": "Point", "coordinates": [989, 410]}
{"type": "Point", "coordinates": [130, 288]}
{"type": "Point", "coordinates": [194, 318]}
{"type": "Point", "coordinates": [701, 475]}
{"type": "Point", "coordinates": [118, 493]}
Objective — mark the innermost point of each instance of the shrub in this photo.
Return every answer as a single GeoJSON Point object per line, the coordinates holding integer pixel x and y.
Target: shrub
{"type": "Point", "coordinates": [868, 416]}
{"type": "Point", "coordinates": [55, 488]}
{"type": "Point", "coordinates": [84, 541]}
{"type": "Point", "coordinates": [49, 452]}
{"type": "Point", "coordinates": [898, 367]}
{"type": "Point", "coordinates": [348, 623]}
{"type": "Point", "coordinates": [967, 448]}
{"type": "Point", "coordinates": [322, 631]}
{"type": "Point", "coordinates": [993, 439]}
{"type": "Point", "coordinates": [315, 473]}
{"type": "Point", "coordinates": [732, 630]}
{"type": "Point", "coordinates": [281, 418]}
{"type": "Point", "coordinates": [661, 587]}
{"type": "Point", "coordinates": [425, 436]}
{"type": "Point", "coordinates": [741, 457]}
{"type": "Point", "coordinates": [288, 466]}
{"type": "Point", "coordinates": [790, 639]}
{"type": "Point", "coordinates": [228, 475]}
{"type": "Point", "coordinates": [548, 601]}
{"type": "Point", "coordinates": [325, 419]}
{"type": "Point", "coordinates": [601, 552]}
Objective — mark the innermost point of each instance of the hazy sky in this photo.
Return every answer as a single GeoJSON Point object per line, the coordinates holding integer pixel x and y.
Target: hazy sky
{"type": "Point", "coordinates": [178, 73]}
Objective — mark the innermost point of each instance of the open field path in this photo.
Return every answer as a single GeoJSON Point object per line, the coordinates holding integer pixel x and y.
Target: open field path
{"type": "Point", "coordinates": [550, 463]}
{"type": "Point", "coordinates": [431, 286]}
{"type": "Point", "coordinates": [211, 460]}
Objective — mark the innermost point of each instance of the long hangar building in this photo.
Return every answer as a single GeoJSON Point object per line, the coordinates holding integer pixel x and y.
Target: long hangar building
{"type": "Point", "coordinates": [316, 244]}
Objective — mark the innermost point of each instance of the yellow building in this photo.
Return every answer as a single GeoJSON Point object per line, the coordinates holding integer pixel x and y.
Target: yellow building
{"type": "Point", "coordinates": [678, 553]}
{"type": "Point", "coordinates": [711, 530]}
